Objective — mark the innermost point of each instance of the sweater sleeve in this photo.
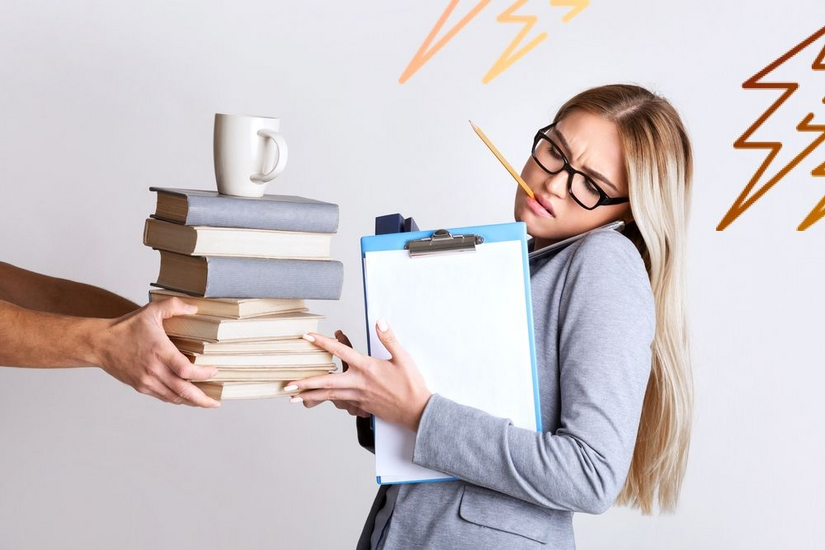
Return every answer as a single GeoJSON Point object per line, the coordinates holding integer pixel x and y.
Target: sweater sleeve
{"type": "Point", "coordinates": [606, 327]}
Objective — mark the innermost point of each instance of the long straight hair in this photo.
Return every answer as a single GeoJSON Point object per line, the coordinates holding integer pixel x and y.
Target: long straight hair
{"type": "Point", "coordinates": [658, 164]}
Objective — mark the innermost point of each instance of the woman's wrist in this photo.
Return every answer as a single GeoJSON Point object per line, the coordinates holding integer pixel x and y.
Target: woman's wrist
{"type": "Point", "coordinates": [418, 412]}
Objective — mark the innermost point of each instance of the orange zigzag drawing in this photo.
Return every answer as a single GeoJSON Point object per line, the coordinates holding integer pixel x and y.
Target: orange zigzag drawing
{"type": "Point", "coordinates": [507, 58]}
{"type": "Point", "coordinates": [742, 203]}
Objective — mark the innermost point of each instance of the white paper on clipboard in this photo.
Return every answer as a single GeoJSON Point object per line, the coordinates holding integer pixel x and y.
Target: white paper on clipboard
{"type": "Point", "coordinates": [463, 318]}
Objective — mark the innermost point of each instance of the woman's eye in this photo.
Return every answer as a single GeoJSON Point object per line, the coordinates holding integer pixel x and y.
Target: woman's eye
{"type": "Point", "coordinates": [554, 152]}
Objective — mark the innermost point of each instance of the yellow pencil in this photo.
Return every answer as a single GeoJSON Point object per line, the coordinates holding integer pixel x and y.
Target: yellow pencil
{"type": "Point", "coordinates": [501, 159]}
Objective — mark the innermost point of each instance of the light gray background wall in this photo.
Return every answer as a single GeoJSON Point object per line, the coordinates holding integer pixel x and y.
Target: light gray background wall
{"type": "Point", "coordinates": [100, 100]}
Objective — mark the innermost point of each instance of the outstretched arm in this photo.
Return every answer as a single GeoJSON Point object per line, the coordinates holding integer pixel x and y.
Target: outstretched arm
{"type": "Point", "coordinates": [40, 292]}
{"type": "Point", "coordinates": [132, 348]}
{"type": "Point", "coordinates": [47, 322]}
{"type": "Point", "coordinates": [39, 339]}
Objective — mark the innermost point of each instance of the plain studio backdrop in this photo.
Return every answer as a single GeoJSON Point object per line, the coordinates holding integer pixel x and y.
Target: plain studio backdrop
{"type": "Point", "coordinates": [100, 100]}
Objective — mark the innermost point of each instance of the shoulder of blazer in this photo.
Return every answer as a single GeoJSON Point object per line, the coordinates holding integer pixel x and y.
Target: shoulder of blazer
{"type": "Point", "coordinates": [608, 245]}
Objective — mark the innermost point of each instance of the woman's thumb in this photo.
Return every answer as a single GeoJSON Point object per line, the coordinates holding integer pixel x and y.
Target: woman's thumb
{"type": "Point", "coordinates": [388, 338]}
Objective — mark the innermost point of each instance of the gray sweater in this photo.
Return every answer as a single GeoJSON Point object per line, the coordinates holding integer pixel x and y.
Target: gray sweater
{"type": "Point", "coordinates": [594, 317]}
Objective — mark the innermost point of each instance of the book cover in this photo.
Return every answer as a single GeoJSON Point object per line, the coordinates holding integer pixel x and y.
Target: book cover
{"type": "Point", "coordinates": [229, 277]}
{"type": "Point", "coordinates": [281, 212]}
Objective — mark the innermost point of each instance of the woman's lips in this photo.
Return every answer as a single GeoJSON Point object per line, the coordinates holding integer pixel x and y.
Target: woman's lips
{"type": "Point", "coordinates": [538, 209]}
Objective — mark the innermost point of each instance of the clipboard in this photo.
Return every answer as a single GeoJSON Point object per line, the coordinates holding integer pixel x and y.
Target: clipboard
{"type": "Point", "coordinates": [459, 301]}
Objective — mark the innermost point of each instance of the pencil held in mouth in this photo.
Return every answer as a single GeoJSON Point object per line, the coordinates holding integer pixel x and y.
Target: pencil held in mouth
{"type": "Point", "coordinates": [502, 160]}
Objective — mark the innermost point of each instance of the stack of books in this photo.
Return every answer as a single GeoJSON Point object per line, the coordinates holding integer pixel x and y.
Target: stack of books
{"type": "Point", "coordinates": [248, 264]}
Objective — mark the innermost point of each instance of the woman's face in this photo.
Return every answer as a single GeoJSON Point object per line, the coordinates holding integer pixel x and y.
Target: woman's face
{"type": "Point", "coordinates": [591, 144]}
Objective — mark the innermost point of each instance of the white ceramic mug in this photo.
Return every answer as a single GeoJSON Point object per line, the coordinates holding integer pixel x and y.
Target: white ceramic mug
{"type": "Point", "coordinates": [249, 152]}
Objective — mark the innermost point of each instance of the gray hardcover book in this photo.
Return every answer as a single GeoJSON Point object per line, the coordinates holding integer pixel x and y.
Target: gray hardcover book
{"type": "Point", "coordinates": [280, 212]}
{"type": "Point", "coordinates": [234, 277]}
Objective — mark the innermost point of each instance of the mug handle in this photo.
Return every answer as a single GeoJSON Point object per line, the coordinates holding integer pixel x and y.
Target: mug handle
{"type": "Point", "coordinates": [280, 143]}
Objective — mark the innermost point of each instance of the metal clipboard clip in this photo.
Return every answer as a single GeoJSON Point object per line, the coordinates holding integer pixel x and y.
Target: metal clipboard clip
{"type": "Point", "coordinates": [443, 243]}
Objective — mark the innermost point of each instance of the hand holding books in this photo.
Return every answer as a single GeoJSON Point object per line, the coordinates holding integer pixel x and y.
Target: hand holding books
{"type": "Point", "coordinates": [135, 349]}
{"type": "Point", "coordinates": [249, 265]}
{"type": "Point", "coordinates": [48, 322]}
{"type": "Point", "coordinates": [247, 261]}
{"type": "Point", "coordinates": [393, 390]}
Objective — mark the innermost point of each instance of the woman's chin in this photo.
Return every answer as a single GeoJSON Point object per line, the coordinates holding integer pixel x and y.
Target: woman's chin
{"type": "Point", "coordinates": [537, 227]}
{"type": "Point", "coordinates": [535, 223]}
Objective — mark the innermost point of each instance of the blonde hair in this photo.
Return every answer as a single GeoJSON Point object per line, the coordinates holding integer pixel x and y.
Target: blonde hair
{"type": "Point", "coordinates": [658, 164]}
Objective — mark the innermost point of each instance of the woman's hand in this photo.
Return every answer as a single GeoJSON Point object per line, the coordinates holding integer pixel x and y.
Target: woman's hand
{"type": "Point", "coordinates": [393, 390]}
{"type": "Point", "coordinates": [348, 406]}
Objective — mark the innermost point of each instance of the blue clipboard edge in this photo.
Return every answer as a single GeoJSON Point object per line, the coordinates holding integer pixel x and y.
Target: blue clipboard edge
{"type": "Point", "coordinates": [378, 478]}
{"type": "Point", "coordinates": [510, 231]}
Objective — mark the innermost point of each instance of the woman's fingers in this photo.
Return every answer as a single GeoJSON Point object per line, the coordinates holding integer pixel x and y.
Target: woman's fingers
{"type": "Point", "coordinates": [331, 387]}
{"type": "Point", "coordinates": [316, 397]}
{"type": "Point", "coordinates": [322, 381]}
{"type": "Point", "coordinates": [355, 411]}
{"type": "Point", "coordinates": [350, 407]}
{"type": "Point", "coordinates": [387, 337]}
{"type": "Point", "coordinates": [339, 350]}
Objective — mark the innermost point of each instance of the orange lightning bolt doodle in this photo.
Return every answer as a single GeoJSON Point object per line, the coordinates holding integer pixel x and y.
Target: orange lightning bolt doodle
{"type": "Point", "coordinates": [742, 203]}
{"type": "Point", "coordinates": [507, 58]}
{"type": "Point", "coordinates": [819, 210]}
{"type": "Point", "coordinates": [423, 54]}
{"type": "Point", "coordinates": [577, 5]}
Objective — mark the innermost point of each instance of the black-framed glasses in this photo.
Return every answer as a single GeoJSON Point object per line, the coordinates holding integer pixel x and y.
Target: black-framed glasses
{"type": "Point", "coordinates": [580, 186]}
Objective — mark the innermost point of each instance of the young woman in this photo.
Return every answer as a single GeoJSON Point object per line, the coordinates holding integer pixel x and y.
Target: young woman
{"type": "Point", "coordinates": [611, 340]}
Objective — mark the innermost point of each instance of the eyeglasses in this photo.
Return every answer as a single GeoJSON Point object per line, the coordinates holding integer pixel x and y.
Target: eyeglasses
{"type": "Point", "coordinates": [580, 186]}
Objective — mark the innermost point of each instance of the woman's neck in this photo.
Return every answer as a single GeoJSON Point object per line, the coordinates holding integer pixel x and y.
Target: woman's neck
{"type": "Point", "coordinates": [539, 243]}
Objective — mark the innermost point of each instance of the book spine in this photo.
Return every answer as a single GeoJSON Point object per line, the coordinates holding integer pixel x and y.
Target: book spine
{"type": "Point", "coordinates": [281, 216]}
{"type": "Point", "coordinates": [231, 277]}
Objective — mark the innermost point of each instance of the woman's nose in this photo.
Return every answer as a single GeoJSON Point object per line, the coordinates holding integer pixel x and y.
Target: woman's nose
{"type": "Point", "coordinates": [557, 184]}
